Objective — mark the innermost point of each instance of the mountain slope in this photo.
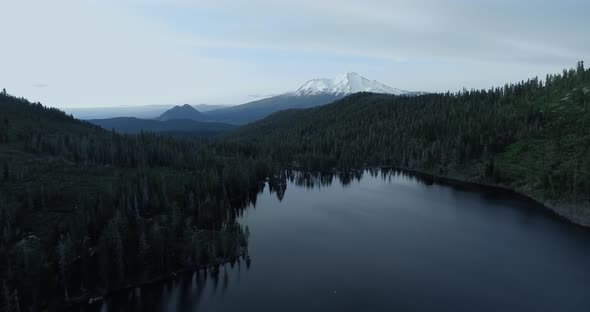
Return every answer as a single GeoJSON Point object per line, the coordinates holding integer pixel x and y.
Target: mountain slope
{"type": "Point", "coordinates": [315, 92]}
{"type": "Point", "coordinates": [252, 111]}
{"type": "Point", "coordinates": [531, 137]}
{"type": "Point", "coordinates": [84, 210]}
{"type": "Point", "coordinates": [181, 112]}
{"type": "Point", "coordinates": [346, 84]}
{"type": "Point", "coordinates": [208, 107]}
{"type": "Point", "coordinates": [132, 125]}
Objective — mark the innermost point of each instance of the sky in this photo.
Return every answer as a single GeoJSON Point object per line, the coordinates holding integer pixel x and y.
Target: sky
{"type": "Point", "coordinates": [82, 53]}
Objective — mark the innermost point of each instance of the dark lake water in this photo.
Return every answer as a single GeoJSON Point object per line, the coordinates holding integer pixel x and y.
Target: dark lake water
{"type": "Point", "coordinates": [390, 242]}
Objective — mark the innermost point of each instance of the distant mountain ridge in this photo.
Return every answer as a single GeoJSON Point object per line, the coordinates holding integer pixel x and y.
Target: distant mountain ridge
{"type": "Point", "coordinates": [181, 112]}
{"type": "Point", "coordinates": [131, 125]}
{"type": "Point", "coordinates": [208, 107]}
{"type": "Point", "coordinates": [256, 110]}
{"type": "Point", "coordinates": [315, 92]}
{"type": "Point", "coordinates": [141, 111]}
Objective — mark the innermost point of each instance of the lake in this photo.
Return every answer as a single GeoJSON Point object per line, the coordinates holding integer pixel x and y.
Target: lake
{"type": "Point", "coordinates": [388, 241]}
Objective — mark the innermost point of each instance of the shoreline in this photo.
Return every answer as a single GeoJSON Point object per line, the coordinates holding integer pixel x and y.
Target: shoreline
{"type": "Point", "coordinates": [574, 214]}
{"type": "Point", "coordinates": [559, 211]}
{"type": "Point", "coordinates": [97, 297]}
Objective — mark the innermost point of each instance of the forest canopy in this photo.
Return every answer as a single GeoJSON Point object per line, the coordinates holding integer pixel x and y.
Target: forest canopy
{"type": "Point", "coordinates": [84, 210]}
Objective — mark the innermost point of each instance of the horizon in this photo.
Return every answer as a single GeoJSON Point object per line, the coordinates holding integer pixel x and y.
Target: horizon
{"type": "Point", "coordinates": [263, 155]}
{"type": "Point", "coordinates": [128, 54]}
{"type": "Point", "coordinates": [69, 110]}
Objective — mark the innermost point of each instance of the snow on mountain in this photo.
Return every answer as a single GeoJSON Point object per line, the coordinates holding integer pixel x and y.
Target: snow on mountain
{"type": "Point", "coordinates": [346, 84]}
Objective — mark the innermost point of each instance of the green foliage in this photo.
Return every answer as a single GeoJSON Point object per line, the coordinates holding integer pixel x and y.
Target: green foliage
{"type": "Point", "coordinates": [83, 209]}
{"type": "Point", "coordinates": [86, 209]}
{"type": "Point", "coordinates": [531, 136]}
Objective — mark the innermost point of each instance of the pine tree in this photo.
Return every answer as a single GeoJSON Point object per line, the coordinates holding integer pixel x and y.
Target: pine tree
{"type": "Point", "coordinates": [5, 171]}
{"type": "Point", "coordinates": [143, 254]}
{"type": "Point", "coordinates": [62, 258]}
{"type": "Point", "coordinates": [7, 298]}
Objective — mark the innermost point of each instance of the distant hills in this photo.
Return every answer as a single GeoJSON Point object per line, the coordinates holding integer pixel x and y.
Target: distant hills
{"type": "Point", "coordinates": [181, 112]}
{"type": "Point", "coordinates": [208, 107]}
{"type": "Point", "coordinates": [315, 92]}
{"type": "Point", "coordinates": [142, 111]}
{"type": "Point", "coordinates": [182, 120]}
{"type": "Point", "coordinates": [131, 125]}
{"type": "Point", "coordinates": [211, 119]}
{"type": "Point", "coordinates": [256, 110]}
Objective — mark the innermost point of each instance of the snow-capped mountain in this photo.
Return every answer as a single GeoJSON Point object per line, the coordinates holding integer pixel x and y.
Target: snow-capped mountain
{"type": "Point", "coordinates": [346, 84]}
{"type": "Point", "coordinates": [313, 93]}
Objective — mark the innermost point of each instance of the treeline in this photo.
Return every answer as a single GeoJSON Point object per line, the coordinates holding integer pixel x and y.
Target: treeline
{"type": "Point", "coordinates": [532, 136]}
{"type": "Point", "coordinates": [83, 210]}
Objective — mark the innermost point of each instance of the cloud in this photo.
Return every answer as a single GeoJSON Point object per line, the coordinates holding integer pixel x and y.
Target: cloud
{"type": "Point", "coordinates": [490, 31]}
{"type": "Point", "coordinates": [260, 96]}
{"type": "Point", "coordinates": [102, 54]}
{"type": "Point", "coordinates": [108, 53]}
{"type": "Point", "coordinates": [40, 85]}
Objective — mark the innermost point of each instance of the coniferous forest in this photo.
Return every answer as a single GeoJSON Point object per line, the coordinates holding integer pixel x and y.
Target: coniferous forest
{"type": "Point", "coordinates": [532, 137]}
{"type": "Point", "coordinates": [84, 210]}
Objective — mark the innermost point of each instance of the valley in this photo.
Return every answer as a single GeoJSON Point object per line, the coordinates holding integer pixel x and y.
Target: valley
{"type": "Point", "coordinates": [212, 156]}
{"type": "Point", "coordinates": [86, 209]}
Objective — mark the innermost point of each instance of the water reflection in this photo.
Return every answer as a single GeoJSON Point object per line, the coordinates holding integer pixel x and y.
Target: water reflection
{"type": "Point", "coordinates": [385, 240]}
{"type": "Point", "coordinates": [184, 293]}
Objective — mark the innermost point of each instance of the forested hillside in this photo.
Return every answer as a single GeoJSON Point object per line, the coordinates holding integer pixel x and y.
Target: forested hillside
{"type": "Point", "coordinates": [84, 210]}
{"type": "Point", "coordinates": [533, 137]}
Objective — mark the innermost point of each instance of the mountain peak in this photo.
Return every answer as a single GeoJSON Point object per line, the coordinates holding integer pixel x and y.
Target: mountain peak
{"type": "Point", "coordinates": [185, 111]}
{"type": "Point", "coordinates": [352, 75]}
{"type": "Point", "coordinates": [183, 108]}
{"type": "Point", "coordinates": [345, 84]}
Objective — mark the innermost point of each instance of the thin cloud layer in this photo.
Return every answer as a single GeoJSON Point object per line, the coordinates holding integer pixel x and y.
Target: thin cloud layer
{"type": "Point", "coordinates": [167, 52]}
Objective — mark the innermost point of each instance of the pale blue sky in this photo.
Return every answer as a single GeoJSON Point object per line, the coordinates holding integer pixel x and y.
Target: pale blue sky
{"type": "Point", "coordinates": [76, 53]}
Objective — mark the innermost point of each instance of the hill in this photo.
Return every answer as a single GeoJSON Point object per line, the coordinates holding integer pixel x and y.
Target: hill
{"type": "Point", "coordinates": [143, 111]}
{"type": "Point", "coordinates": [208, 107]}
{"type": "Point", "coordinates": [132, 125]}
{"type": "Point", "coordinates": [84, 210]}
{"type": "Point", "coordinates": [181, 112]}
{"type": "Point", "coordinates": [256, 110]}
{"type": "Point", "coordinates": [532, 137]}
